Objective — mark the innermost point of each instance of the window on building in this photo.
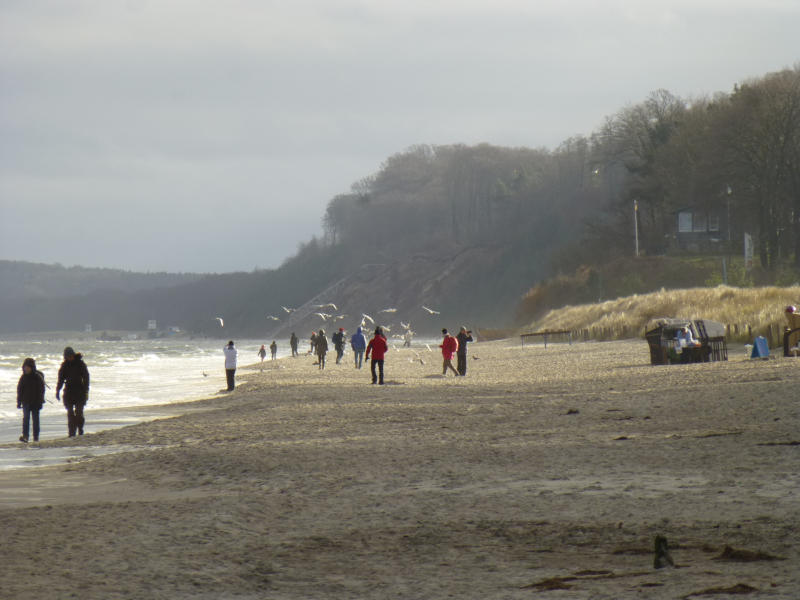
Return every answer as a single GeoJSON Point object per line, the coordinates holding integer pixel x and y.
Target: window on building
{"type": "Point", "coordinates": [684, 221]}
{"type": "Point", "coordinates": [713, 222]}
{"type": "Point", "coordinates": [699, 222]}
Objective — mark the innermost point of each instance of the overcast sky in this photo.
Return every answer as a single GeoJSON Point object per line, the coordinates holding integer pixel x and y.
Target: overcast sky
{"type": "Point", "coordinates": [192, 135]}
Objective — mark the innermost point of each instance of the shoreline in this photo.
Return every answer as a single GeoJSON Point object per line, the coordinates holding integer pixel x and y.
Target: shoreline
{"type": "Point", "coordinates": [540, 464]}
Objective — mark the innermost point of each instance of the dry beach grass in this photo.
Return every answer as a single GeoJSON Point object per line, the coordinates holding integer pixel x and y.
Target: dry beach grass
{"type": "Point", "coordinates": [544, 473]}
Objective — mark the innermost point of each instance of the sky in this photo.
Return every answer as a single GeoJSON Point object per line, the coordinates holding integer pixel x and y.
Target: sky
{"type": "Point", "coordinates": [208, 136]}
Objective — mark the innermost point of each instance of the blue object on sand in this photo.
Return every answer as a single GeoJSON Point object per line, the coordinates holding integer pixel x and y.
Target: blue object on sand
{"type": "Point", "coordinates": [760, 348]}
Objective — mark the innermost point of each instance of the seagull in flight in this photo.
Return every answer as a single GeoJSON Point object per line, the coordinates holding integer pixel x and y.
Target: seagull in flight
{"type": "Point", "coordinates": [365, 317]}
{"type": "Point", "coordinates": [288, 310]}
{"type": "Point", "coordinates": [428, 347]}
{"type": "Point", "coordinates": [328, 305]}
{"type": "Point", "coordinates": [430, 311]}
{"type": "Point", "coordinates": [221, 322]}
{"type": "Point", "coordinates": [272, 318]}
{"type": "Point", "coordinates": [339, 317]}
{"type": "Point", "coordinates": [388, 310]}
{"type": "Point", "coordinates": [323, 316]}
{"type": "Point", "coordinates": [405, 326]}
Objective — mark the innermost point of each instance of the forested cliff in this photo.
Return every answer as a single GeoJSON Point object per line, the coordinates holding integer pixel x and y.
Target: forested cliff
{"type": "Point", "coordinates": [467, 230]}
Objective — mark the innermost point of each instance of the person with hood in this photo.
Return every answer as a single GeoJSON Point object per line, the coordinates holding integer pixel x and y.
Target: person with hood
{"type": "Point", "coordinates": [231, 356]}
{"type": "Point", "coordinates": [358, 343]}
{"type": "Point", "coordinates": [462, 338]}
{"type": "Point", "coordinates": [449, 347]}
{"type": "Point", "coordinates": [293, 344]}
{"type": "Point", "coordinates": [338, 344]}
{"type": "Point", "coordinates": [30, 398]}
{"type": "Point", "coordinates": [378, 347]}
{"type": "Point", "coordinates": [322, 348]}
{"type": "Point", "coordinates": [73, 376]}
{"type": "Point", "coordinates": [262, 352]}
{"type": "Point", "coordinates": [273, 348]}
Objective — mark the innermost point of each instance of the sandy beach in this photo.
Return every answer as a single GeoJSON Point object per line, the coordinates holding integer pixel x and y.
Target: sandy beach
{"type": "Point", "coordinates": [542, 474]}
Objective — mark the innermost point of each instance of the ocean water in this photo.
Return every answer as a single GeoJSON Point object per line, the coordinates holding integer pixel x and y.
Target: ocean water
{"type": "Point", "coordinates": [123, 374]}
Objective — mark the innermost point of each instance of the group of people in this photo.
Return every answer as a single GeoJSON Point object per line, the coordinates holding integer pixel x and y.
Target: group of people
{"type": "Point", "coordinates": [73, 377]}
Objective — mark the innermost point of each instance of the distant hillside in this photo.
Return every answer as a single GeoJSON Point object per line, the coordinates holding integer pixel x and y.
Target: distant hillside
{"type": "Point", "coordinates": [21, 280]}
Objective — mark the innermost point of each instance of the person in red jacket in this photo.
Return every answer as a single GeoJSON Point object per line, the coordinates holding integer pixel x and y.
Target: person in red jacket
{"type": "Point", "coordinates": [378, 347]}
{"type": "Point", "coordinates": [449, 347]}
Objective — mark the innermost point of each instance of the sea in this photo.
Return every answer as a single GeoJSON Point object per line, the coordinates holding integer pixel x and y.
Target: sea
{"type": "Point", "coordinates": [125, 375]}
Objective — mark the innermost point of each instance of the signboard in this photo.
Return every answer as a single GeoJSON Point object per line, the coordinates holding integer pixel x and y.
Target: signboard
{"type": "Point", "coordinates": [151, 325]}
{"type": "Point", "coordinates": [748, 251]}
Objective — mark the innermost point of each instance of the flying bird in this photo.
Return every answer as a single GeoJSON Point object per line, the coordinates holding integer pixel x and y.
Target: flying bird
{"type": "Point", "coordinates": [366, 317]}
{"type": "Point", "coordinates": [328, 305]}
{"type": "Point", "coordinates": [270, 317]}
{"type": "Point", "coordinates": [323, 316]}
{"type": "Point", "coordinates": [339, 317]}
{"type": "Point", "coordinates": [430, 311]}
{"type": "Point", "coordinates": [405, 325]}
{"type": "Point", "coordinates": [221, 322]}
{"type": "Point", "coordinates": [428, 347]}
{"type": "Point", "coordinates": [388, 310]}
{"type": "Point", "coordinates": [288, 310]}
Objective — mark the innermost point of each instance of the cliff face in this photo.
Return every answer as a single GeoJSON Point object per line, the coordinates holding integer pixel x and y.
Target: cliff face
{"type": "Point", "coordinates": [447, 284]}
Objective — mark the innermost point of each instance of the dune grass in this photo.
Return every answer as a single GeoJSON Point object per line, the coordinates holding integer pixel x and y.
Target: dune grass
{"type": "Point", "coordinates": [749, 312]}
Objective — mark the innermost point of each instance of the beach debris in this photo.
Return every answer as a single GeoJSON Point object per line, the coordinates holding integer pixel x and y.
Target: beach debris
{"type": "Point", "coordinates": [205, 374]}
{"type": "Point", "coordinates": [662, 557]}
{"type": "Point", "coordinates": [792, 443]}
{"type": "Point", "coordinates": [430, 311]}
{"type": "Point", "coordinates": [288, 310]}
{"type": "Point", "coordinates": [737, 555]}
{"type": "Point", "coordinates": [273, 318]}
{"type": "Point", "coordinates": [739, 588]}
{"type": "Point", "coordinates": [221, 322]}
{"type": "Point", "coordinates": [476, 358]}
{"type": "Point", "coordinates": [621, 438]}
{"type": "Point", "coordinates": [573, 411]}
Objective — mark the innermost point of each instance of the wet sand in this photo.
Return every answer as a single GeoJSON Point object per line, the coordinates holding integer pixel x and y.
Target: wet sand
{"type": "Point", "coordinates": [543, 473]}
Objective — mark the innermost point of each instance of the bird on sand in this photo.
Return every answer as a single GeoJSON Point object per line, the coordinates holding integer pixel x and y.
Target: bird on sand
{"type": "Point", "coordinates": [419, 358]}
{"type": "Point", "coordinates": [271, 318]}
{"type": "Point", "coordinates": [328, 305]}
{"type": "Point", "coordinates": [430, 311]}
{"type": "Point", "coordinates": [388, 310]}
{"type": "Point", "coordinates": [288, 310]}
{"type": "Point", "coordinates": [221, 322]}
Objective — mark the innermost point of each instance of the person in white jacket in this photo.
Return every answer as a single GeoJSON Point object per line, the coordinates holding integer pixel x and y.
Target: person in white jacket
{"type": "Point", "coordinates": [231, 354]}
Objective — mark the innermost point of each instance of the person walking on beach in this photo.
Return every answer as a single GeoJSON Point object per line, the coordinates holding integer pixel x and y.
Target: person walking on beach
{"type": "Point", "coordinates": [293, 344]}
{"type": "Point", "coordinates": [449, 347]}
{"type": "Point", "coordinates": [338, 344]}
{"type": "Point", "coordinates": [231, 354]}
{"type": "Point", "coordinates": [30, 398]}
{"type": "Point", "coordinates": [262, 352]}
{"type": "Point", "coordinates": [73, 376]}
{"type": "Point", "coordinates": [322, 348]}
{"type": "Point", "coordinates": [464, 336]}
{"type": "Point", "coordinates": [313, 343]}
{"type": "Point", "coordinates": [358, 343]}
{"type": "Point", "coordinates": [273, 348]}
{"type": "Point", "coordinates": [378, 347]}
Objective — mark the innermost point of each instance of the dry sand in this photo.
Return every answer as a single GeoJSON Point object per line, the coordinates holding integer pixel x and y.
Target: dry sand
{"type": "Point", "coordinates": [309, 484]}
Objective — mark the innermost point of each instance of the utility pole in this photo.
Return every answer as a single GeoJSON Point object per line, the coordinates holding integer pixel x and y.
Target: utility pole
{"type": "Point", "coordinates": [636, 225]}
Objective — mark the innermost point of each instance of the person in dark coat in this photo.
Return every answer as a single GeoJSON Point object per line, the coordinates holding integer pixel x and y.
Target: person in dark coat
{"type": "Point", "coordinates": [313, 343]}
{"type": "Point", "coordinates": [321, 348]}
{"type": "Point", "coordinates": [30, 398]}
{"type": "Point", "coordinates": [73, 376]}
{"type": "Point", "coordinates": [273, 348]}
{"type": "Point", "coordinates": [293, 343]}
{"type": "Point", "coordinates": [338, 343]}
{"type": "Point", "coordinates": [463, 337]}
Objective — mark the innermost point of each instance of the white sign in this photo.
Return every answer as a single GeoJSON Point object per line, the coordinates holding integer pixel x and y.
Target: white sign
{"type": "Point", "coordinates": [748, 251]}
{"type": "Point", "coordinates": [151, 325]}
